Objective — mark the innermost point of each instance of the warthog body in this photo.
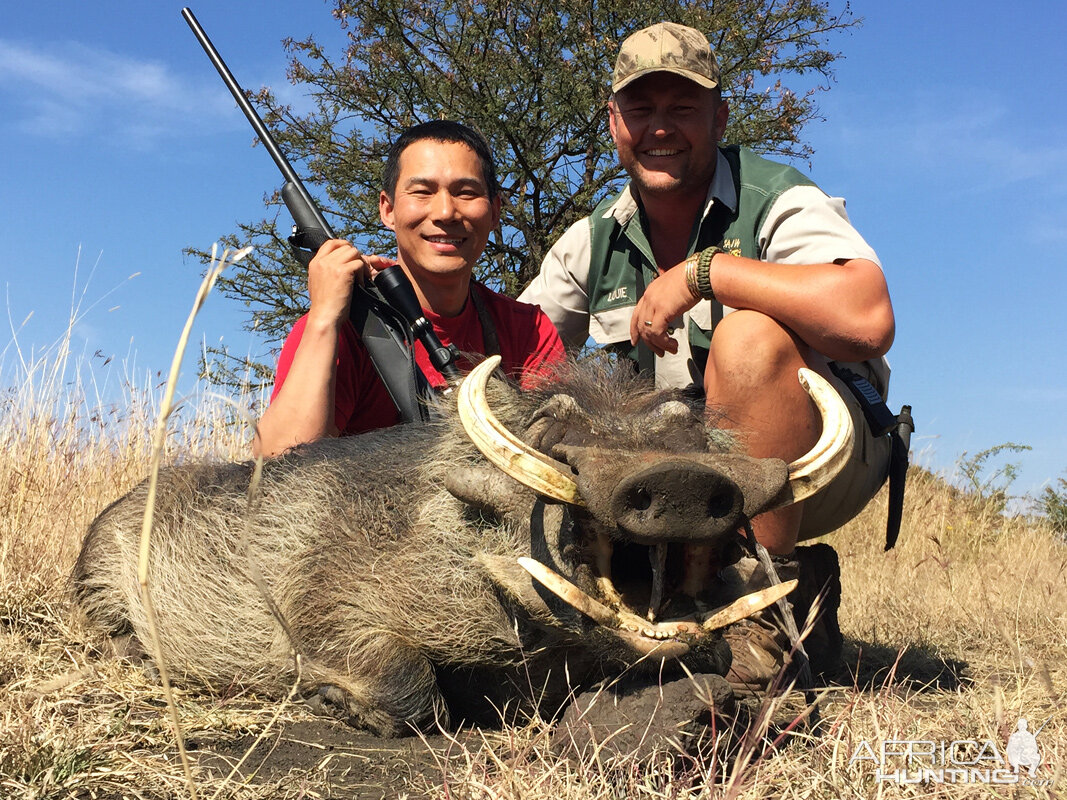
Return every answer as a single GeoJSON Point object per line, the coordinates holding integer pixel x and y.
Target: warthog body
{"type": "Point", "coordinates": [407, 603]}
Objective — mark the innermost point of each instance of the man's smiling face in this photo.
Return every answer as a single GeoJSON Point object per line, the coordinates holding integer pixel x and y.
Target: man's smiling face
{"type": "Point", "coordinates": [666, 129]}
{"type": "Point", "coordinates": [440, 210]}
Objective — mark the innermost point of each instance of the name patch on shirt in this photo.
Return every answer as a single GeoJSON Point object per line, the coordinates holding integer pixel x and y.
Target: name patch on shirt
{"type": "Point", "coordinates": [617, 294]}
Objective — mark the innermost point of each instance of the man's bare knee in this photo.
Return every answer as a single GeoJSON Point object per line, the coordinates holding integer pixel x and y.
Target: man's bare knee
{"type": "Point", "coordinates": [751, 350]}
{"type": "Point", "coordinates": [751, 383]}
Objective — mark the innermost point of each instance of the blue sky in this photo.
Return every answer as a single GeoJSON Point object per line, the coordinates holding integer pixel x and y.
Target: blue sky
{"type": "Point", "coordinates": [944, 130]}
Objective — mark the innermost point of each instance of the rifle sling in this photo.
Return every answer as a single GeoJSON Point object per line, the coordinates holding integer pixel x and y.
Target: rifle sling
{"type": "Point", "coordinates": [387, 339]}
{"type": "Point", "coordinates": [489, 337]}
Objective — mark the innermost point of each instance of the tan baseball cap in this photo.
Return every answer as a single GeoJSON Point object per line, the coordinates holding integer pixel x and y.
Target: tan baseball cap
{"type": "Point", "coordinates": [666, 47]}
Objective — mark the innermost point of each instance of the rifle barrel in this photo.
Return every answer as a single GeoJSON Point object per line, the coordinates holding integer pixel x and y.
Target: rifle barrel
{"type": "Point", "coordinates": [254, 119]}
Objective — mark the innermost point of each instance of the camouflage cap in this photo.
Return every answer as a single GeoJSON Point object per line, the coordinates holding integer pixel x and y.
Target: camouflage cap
{"type": "Point", "coordinates": [666, 47]}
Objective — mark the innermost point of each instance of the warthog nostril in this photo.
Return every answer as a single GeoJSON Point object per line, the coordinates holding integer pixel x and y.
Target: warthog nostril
{"type": "Point", "coordinates": [639, 499]}
{"type": "Point", "coordinates": [720, 504]}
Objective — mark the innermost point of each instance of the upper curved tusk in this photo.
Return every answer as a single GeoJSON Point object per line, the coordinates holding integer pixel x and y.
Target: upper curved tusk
{"type": "Point", "coordinates": [815, 469]}
{"type": "Point", "coordinates": [503, 449]}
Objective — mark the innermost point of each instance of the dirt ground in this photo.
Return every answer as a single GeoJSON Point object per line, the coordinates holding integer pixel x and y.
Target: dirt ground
{"type": "Point", "coordinates": [335, 760]}
{"type": "Point", "coordinates": [329, 755]}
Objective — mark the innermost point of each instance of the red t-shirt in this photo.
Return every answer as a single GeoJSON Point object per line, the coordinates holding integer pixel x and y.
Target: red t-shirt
{"type": "Point", "coordinates": [529, 346]}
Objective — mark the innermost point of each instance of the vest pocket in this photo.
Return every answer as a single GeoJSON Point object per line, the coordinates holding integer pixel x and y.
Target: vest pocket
{"type": "Point", "coordinates": [612, 325]}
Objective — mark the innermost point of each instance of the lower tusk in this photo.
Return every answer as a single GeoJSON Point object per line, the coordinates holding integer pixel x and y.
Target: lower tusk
{"type": "Point", "coordinates": [747, 606]}
{"type": "Point", "coordinates": [628, 624]}
{"type": "Point", "coordinates": [621, 622]}
{"type": "Point", "coordinates": [568, 592]}
{"type": "Point", "coordinates": [658, 557]}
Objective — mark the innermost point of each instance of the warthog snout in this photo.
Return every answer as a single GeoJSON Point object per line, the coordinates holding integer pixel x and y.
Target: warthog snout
{"type": "Point", "coordinates": [658, 502]}
{"type": "Point", "coordinates": [664, 497]}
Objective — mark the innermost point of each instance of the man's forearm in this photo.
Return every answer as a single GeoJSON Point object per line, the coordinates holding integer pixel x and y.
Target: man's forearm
{"type": "Point", "coordinates": [841, 310]}
{"type": "Point", "coordinates": [303, 409]}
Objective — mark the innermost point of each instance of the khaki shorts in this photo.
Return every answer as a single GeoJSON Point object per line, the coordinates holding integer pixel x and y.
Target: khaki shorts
{"type": "Point", "coordinates": [862, 476]}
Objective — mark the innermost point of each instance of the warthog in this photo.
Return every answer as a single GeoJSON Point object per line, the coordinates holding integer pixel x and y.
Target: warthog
{"type": "Point", "coordinates": [521, 545]}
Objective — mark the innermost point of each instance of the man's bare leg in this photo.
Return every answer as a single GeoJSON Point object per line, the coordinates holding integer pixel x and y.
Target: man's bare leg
{"type": "Point", "coordinates": [751, 380]}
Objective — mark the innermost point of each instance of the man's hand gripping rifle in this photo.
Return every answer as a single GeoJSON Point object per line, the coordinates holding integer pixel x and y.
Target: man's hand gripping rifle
{"type": "Point", "coordinates": [386, 315]}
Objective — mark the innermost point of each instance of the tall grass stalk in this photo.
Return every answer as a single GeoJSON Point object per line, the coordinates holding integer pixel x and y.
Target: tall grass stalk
{"type": "Point", "coordinates": [159, 439]}
{"type": "Point", "coordinates": [70, 443]}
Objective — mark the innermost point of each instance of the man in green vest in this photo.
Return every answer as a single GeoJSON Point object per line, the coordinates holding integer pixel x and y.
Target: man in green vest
{"type": "Point", "coordinates": [719, 268]}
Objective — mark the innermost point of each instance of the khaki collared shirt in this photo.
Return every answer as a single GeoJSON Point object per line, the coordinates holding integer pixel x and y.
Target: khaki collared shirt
{"type": "Point", "coordinates": [804, 226]}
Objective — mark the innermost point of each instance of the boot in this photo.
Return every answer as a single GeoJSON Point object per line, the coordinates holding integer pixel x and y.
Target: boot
{"type": "Point", "coordinates": [820, 579]}
{"type": "Point", "coordinates": [759, 645]}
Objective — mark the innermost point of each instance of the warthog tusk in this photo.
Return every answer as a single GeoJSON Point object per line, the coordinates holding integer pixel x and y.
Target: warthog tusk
{"type": "Point", "coordinates": [628, 623]}
{"type": "Point", "coordinates": [568, 592]}
{"type": "Point", "coordinates": [505, 450]}
{"type": "Point", "coordinates": [816, 468]}
{"type": "Point", "coordinates": [624, 621]}
{"type": "Point", "coordinates": [747, 606]}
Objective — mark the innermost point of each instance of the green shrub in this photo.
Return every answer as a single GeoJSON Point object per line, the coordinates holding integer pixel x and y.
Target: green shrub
{"type": "Point", "coordinates": [987, 486]}
{"type": "Point", "coordinates": [1054, 503]}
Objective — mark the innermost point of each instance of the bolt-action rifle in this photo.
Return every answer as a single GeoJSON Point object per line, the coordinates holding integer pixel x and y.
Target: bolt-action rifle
{"type": "Point", "coordinates": [386, 314]}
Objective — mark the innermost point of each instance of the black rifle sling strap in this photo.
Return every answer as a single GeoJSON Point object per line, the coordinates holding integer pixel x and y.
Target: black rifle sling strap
{"type": "Point", "coordinates": [386, 336]}
{"type": "Point", "coordinates": [489, 337]}
{"type": "Point", "coordinates": [388, 341]}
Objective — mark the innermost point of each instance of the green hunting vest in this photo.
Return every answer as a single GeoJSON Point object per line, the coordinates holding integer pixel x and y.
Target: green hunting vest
{"type": "Point", "coordinates": [622, 264]}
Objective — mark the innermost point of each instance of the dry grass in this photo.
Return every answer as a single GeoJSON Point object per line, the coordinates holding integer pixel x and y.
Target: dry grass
{"type": "Point", "coordinates": [955, 634]}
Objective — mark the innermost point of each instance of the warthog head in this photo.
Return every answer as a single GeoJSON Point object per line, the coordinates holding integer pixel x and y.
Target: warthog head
{"type": "Point", "coordinates": [650, 499]}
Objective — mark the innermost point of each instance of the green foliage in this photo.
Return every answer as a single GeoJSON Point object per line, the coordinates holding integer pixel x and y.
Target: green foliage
{"type": "Point", "coordinates": [533, 76]}
{"type": "Point", "coordinates": [990, 487]}
{"type": "Point", "coordinates": [1054, 503]}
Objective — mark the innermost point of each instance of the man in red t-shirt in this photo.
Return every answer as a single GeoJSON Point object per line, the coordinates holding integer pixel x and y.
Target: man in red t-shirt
{"type": "Point", "coordinates": [441, 198]}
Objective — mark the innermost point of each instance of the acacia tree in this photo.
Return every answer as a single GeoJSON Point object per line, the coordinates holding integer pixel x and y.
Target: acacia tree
{"type": "Point", "coordinates": [533, 76]}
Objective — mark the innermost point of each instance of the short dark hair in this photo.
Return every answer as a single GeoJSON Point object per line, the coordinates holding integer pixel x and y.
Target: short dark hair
{"type": "Point", "coordinates": [439, 130]}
